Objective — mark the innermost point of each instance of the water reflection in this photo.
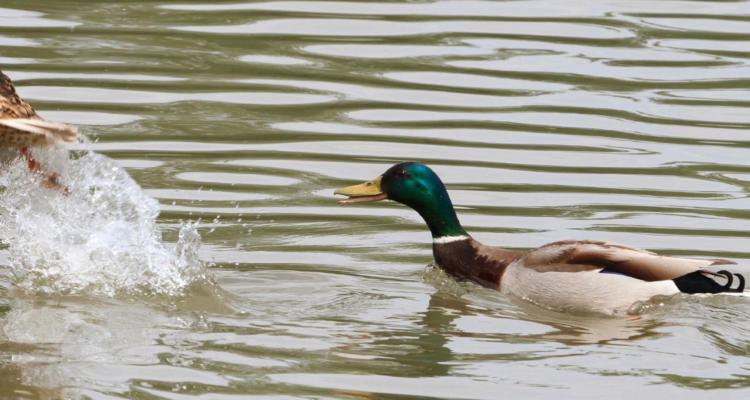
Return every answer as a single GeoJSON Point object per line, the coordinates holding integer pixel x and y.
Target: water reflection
{"type": "Point", "coordinates": [14, 386]}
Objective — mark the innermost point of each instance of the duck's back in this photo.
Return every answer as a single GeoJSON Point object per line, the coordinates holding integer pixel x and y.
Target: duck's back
{"type": "Point", "coordinates": [602, 277]}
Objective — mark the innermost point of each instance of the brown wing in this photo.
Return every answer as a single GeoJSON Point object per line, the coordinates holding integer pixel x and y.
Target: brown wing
{"type": "Point", "coordinates": [573, 256]}
{"type": "Point", "coordinates": [20, 126]}
{"type": "Point", "coordinates": [12, 106]}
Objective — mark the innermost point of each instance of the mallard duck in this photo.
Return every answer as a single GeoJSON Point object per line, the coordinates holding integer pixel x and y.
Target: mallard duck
{"type": "Point", "coordinates": [21, 128]}
{"type": "Point", "coordinates": [571, 275]}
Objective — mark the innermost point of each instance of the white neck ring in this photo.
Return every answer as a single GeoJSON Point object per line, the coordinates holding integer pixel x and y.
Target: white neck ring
{"type": "Point", "coordinates": [449, 239]}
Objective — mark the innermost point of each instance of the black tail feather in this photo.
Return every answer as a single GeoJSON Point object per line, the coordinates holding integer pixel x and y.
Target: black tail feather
{"type": "Point", "coordinates": [701, 282]}
{"type": "Point", "coordinates": [741, 287]}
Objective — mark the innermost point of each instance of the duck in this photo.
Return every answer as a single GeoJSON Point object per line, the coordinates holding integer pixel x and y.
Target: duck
{"type": "Point", "coordinates": [578, 276]}
{"type": "Point", "coordinates": [22, 129]}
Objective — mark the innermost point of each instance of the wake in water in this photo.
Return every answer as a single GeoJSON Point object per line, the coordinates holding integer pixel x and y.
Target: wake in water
{"type": "Point", "coordinates": [100, 239]}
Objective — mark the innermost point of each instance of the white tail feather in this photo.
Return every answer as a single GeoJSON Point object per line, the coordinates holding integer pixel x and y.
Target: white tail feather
{"type": "Point", "coordinates": [53, 131]}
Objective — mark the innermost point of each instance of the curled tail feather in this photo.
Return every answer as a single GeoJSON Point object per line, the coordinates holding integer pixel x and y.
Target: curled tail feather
{"type": "Point", "coordinates": [702, 281]}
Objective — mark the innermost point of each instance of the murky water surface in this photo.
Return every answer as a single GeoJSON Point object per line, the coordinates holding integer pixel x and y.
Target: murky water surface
{"type": "Point", "coordinates": [626, 121]}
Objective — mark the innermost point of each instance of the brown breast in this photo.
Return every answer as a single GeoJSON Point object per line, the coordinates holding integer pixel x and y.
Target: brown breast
{"type": "Point", "coordinates": [470, 260]}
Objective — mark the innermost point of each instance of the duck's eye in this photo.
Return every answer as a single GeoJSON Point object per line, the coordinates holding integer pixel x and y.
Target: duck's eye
{"type": "Point", "coordinates": [402, 174]}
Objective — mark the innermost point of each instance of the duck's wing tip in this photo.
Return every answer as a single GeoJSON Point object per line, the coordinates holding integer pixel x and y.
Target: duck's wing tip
{"type": "Point", "coordinates": [721, 261]}
{"type": "Point", "coordinates": [42, 131]}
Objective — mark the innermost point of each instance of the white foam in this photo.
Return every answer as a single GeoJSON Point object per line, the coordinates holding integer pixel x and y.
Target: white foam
{"type": "Point", "coordinates": [100, 239]}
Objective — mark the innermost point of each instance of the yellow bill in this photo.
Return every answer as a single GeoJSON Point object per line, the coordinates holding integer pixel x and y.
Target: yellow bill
{"type": "Point", "coordinates": [362, 193]}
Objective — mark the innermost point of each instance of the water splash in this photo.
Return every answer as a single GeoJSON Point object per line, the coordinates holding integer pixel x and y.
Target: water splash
{"type": "Point", "coordinates": [100, 239]}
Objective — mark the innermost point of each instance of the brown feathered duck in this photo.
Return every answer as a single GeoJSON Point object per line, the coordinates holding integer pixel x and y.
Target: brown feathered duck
{"type": "Point", "coordinates": [571, 275]}
{"type": "Point", "coordinates": [22, 129]}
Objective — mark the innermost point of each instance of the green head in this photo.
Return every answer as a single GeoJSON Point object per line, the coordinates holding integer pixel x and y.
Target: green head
{"type": "Point", "coordinates": [416, 186]}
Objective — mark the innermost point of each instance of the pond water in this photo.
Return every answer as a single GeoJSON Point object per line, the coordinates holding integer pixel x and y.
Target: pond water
{"type": "Point", "coordinates": [626, 121]}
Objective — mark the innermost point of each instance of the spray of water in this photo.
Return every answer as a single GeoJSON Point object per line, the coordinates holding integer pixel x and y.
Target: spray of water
{"type": "Point", "coordinates": [101, 238]}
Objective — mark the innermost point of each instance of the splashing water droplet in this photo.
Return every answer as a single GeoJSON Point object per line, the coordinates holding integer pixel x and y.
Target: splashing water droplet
{"type": "Point", "coordinates": [100, 239]}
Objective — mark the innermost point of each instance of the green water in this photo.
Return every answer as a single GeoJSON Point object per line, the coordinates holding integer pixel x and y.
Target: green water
{"type": "Point", "coordinates": [625, 121]}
